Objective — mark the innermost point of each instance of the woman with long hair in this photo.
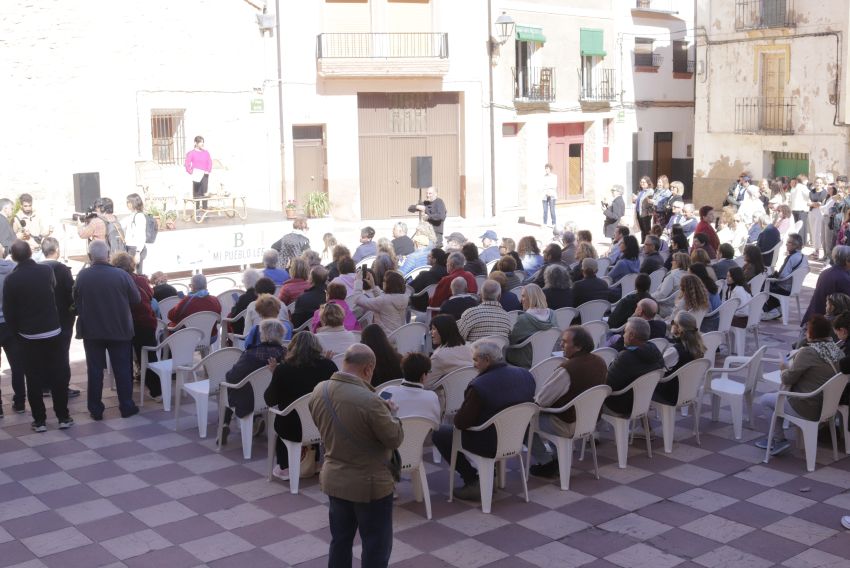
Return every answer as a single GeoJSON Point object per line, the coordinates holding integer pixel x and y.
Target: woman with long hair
{"type": "Point", "coordinates": [451, 350]}
{"type": "Point", "coordinates": [686, 346]}
{"type": "Point", "coordinates": [679, 267]}
{"type": "Point", "coordinates": [387, 358]}
{"type": "Point", "coordinates": [753, 262]}
{"type": "Point", "coordinates": [583, 250]}
{"type": "Point", "coordinates": [330, 243]}
{"type": "Point", "coordinates": [388, 306]}
{"type": "Point", "coordinates": [135, 227]}
{"type": "Point", "coordinates": [629, 262]}
{"type": "Point", "coordinates": [784, 221]}
{"type": "Point", "coordinates": [737, 287]}
{"type": "Point", "coordinates": [303, 367]}
{"type": "Point", "coordinates": [693, 298]}
{"type": "Point", "coordinates": [557, 287]}
{"type": "Point", "coordinates": [536, 316]}
{"type": "Point", "coordinates": [529, 254]}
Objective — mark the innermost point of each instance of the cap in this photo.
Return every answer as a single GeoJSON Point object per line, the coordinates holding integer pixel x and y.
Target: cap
{"type": "Point", "coordinates": [456, 237]}
{"type": "Point", "coordinates": [490, 235]}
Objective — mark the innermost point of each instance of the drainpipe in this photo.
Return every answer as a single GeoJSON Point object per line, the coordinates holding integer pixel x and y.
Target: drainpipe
{"type": "Point", "coordinates": [492, 110]}
{"type": "Point", "coordinates": [280, 104]}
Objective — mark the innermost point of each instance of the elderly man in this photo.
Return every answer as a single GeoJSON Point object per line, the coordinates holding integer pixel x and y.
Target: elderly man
{"type": "Point", "coordinates": [402, 244]}
{"type": "Point", "coordinates": [646, 309]}
{"type": "Point", "coordinates": [460, 300]}
{"type": "Point", "coordinates": [581, 371]}
{"type": "Point", "coordinates": [198, 300]}
{"type": "Point", "coordinates": [490, 244]}
{"type": "Point", "coordinates": [834, 279]}
{"type": "Point", "coordinates": [568, 250]}
{"type": "Point", "coordinates": [497, 386]}
{"type": "Point", "coordinates": [794, 259]}
{"type": "Point", "coordinates": [487, 319]}
{"type": "Point", "coordinates": [652, 259]}
{"type": "Point", "coordinates": [434, 212]}
{"type": "Point", "coordinates": [638, 358]}
{"type": "Point", "coordinates": [64, 305]}
{"type": "Point", "coordinates": [613, 211]}
{"type": "Point", "coordinates": [359, 431]}
{"type": "Point", "coordinates": [271, 270]}
{"type": "Point", "coordinates": [102, 295]}
{"type": "Point", "coordinates": [455, 242]}
{"type": "Point", "coordinates": [590, 287]}
{"type": "Point", "coordinates": [454, 268]}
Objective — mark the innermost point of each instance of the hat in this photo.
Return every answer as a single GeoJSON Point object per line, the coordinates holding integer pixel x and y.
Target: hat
{"type": "Point", "coordinates": [490, 235]}
{"type": "Point", "coordinates": [421, 240]}
{"type": "Point", "coordinates": [456, 237]}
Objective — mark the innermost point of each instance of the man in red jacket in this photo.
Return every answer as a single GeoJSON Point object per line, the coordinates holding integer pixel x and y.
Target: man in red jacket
{"type": "Point", "coordinates": [454, 265]}
{"type": "Point", "coordinates": [198, 300]}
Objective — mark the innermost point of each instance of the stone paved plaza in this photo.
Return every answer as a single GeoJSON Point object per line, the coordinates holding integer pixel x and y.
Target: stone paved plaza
{"type": "Point", "coordinates": [133, 492]}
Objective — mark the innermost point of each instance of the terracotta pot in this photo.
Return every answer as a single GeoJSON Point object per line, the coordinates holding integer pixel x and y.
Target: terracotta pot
{"type": "Point", "coordinates": [290, 213]}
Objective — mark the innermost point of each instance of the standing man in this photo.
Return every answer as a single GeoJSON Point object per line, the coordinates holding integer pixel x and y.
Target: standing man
{"type": "Point", "coordinates": [103, 294]}
{"type": "Point", "coordinates": [199, 165]}
{"type": "Point", "coordinates": [549, 188]}
{"type": "Point", "coordinates": [7, 234]}
{"type": "Point", "coordinates": [435, 212]}
{"type": "Point", "coordinates": [29, 306]}
{"type": "Point", "coordinates": [614, 211]}
{"type": "Point", "coordinates": [11, 345]}
{"type": "Point", "coordinates": [64, 305]}
{"type": "Point", "coordinates": [32, 230]}
{"type": "Point", "coordinates": [359, 431]}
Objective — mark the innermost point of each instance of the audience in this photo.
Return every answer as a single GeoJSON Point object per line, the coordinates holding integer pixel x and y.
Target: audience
{"type": "Point", "coordinates": [332, 334]}
{"type": "Point", "coordinates": [487, 319]}
{"type": "Point", "coordinates": [557, 287]}
{"type": "Point", "coordinates": [297, 283]}
{"type": "Point", "coordinates": [411, 397]}
{"type": "Point", "coordinates": [451, 352]}
{"type": "Point", "coordinates": [638, 358]}
{"type": "Point", "coordinates": [388, 307]}
{"type": "Point", "coordinates": [387, 358]}
{"type": "Point", "coordinates": [460, 301]}
{"type": "Point", "coordinates": [536, 316]}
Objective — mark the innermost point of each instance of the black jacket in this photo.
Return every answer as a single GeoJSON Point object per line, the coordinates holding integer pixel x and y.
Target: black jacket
{"type": "Point", "coordinates": [422, 281]}
{"type": "Point", "coordinates": [456, 305]}
{"type": "Point", "coordinates": [588, 289]}
{"type": "Point", "coordinates": [29, 299]}
{"type": "Point", "coordinates": [163, 291]}
{"type": "Point", "coordinates": [628, 366]}
{"type": "Point", "coordinates": [558, 298]}
{"type": "Point", "coordinates": [64, 293]}
{"type": "Point", "coordinates": [651, 263]}
{"type": "Point", "coordinates": [291, 382]}
{"type": "Point", "coordinates": [307, 303]}
{"type": "Point", "coordinates": [767, 240]}
{"type": "Point", "coordinates": [242, 302]}
{"type": "Point", "coordinates": [403, 245]}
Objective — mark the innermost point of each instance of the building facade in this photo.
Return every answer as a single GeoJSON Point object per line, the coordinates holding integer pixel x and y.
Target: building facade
{"type": "Point", "coordinates": [771, 91]}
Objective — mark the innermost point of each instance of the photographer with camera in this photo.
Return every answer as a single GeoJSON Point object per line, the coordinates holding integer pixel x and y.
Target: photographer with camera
{"type": "Point", "coordinates": [101, 224]}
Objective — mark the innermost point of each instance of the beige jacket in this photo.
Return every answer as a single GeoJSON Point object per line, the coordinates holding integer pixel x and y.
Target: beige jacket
{"type": "Point", "coordinates": [356, 457]}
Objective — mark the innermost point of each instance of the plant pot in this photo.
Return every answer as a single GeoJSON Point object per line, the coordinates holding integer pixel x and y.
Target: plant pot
{"type": "Point", "coordinates": [290, 213]}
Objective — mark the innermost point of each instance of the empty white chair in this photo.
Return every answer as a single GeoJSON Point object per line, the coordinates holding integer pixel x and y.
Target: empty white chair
{"type": "Point", "coordinates": [428, 291]}
{"type": "Point", "coordinates": [627, 284]}
{"type": "Point", "coordinates": [754, 307]}
{"type": "Point", "coordinates": [725, 312]}
{"type": "Point", "coordinates": [416, 430]}
{"type": "Point", "coordinates": [736, 394]}
{"type": "Point", "coordinates": [565, 317]}
{"type": "Point", "coordinates": [542, 344]}
{"type": "Point", "coordinates": [796, 279]}
{"type": "Point", "coordinates": [691, 378]}
{"type": "Point", "coordinates": [655, 279]}
{"type": "Point", "coordinates": [593, 310]}
{"type": "Point", "coordinates": [205, 321]}
{"type": "Point", "coordinates": [490, 266]}
{"type": "Point", "coordinates": [597, 330]}
{"type": "Point", "coordinates": [409, 338]}
{"type": "Point", "coordinates": [220, 284]}
{"type": "Point", "coordinates": [309, 436]}
{"type": "Point", "coordinates": [642, 389]}
{"type": "Point", "coordinates": [260, 380]}
{"type": "Point", "coordinates": [511, 425]}
{"type": "Point", "coordinates": [166, 304]}
{"type": "Point", "coordinates": [215, 366]}
{"type": "Point", "coordinates": [544, 369]}
{"type": "Point", "coordinates": [831, 391]}
{"type": "Point", "coordinates": [587, 406]}
{"type": "Point", "coordinates": [608, 354]}
{"type": "Point", "coordinates": [180, 347]}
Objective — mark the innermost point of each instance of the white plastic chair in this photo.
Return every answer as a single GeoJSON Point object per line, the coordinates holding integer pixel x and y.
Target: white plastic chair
{"type": "Point", "coordinates": [309, 436]}
{"type": "Point", "coordinates": [203, 321]}
{"type": "Point", "coordinates": [725, 312]}
{"type": "Point", "coordinates": [565, 317]}
{"type": "Point", "coordinates": [215, 367]}
{"type": "Point", "coordinates": [757, 283]}
{"type": "Point", "coordinates": [597, 330]}
{"type": "Point", "coordinates": [490, 266]}
{"type": "Point", "coordinates": [409, 338]}
{"type": "Point", "coordinates": [736, 394]}
{"type": "Point", "coordinates": [180, 350]}
{"type": "Point", "coordinates": [831, 391]}
{"type": "Point", "coordinates": [544, 369]}
{"type": "Point", "coordinates": [642, 389]}
{"type": "Point", "coordinates": [662, 343]}
{"type": "Point", "coordinates": [739, 260]}
{"type": "Point", "coordinates": [627, 284]}
{"type": "Point", "coordinates": [593, 310]}
{"type": "Point", "coordinates": [587, 406]}
{"type": "Point", "coordinates": [338, 359]}
{"type": "Point", "coordinates": [367, 261]}
{"type": "Point", "coordinates": [479, 281]}
{"type": "Point", "coordinates": [754, 306]}
{"type": "Point", "coordinates": [416, 430]}
{"type": "Point", "coordinates": [655, 279]}
{"type": "Point", "coordinates": [454, 387]}
{"type": "Point", "coordinates": [844, 411]}
{"type": "Point", "coordinates": [234, 337]}
{"type": "Point", "coordinates": [166, 305]}
{"type": "Point", "coordinates": [796, 278]}
{"type": "Point", "coordinates": [691, 378]}
{"type": "Point", "coordinates": [542, 344]}
{"type": "Point", "coordinates": [180, 287]}
{"type": "Point", "coordinates": [774, 253]}
{"type": "Point", "coordinates": [608, 354]}
{"type": "Point", "coordinates": [511, 425]}
{"type": "Point", "coordinates": [602, 266]}
{"type": "Point", "coordinates": [388, 384]}
{"type": "Point", "coordinates": [712, 341]}
{"type": "Point", "coordinates": [428, 291]}
{"type": "Point", "coordinates": [416, 272]}
{"type": "Point", "coordinates": [228, 299]}
{"type": "Point", "coordinates": [260, 380]}
{"type": "Point", "coordinates": [513, 315]}
{"type": "Point", "coordinates": [517, 291]}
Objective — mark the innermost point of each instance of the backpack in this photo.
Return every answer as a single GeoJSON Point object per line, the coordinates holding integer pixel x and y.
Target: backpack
{"type": "Point", "coordinates": [151, 229]}
{"type": "Point", "coordinates": [114, 236]}
{"type": "Point", "coordinates": [836, 214]}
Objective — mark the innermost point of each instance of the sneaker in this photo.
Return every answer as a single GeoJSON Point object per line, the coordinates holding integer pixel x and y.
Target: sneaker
{"type": "Point", "coordinates": [548, 470]}
{"type": "Point", "coordinates": [73, 393]}
{"type": "Point", "coordinates": [469, 492]}
{"type": "Point", "coordinates": [19, 408]}
{"type": "Point", "coordinates": [66, 423]}
{"type": "Point", "coordinates": [130, 413]}
{"type": "Point", "coordinates": [845, 522]}
{"type": "Point", "coordinates": [39, 427]}
{"type": "Point", "coordinates": [761, 444]}
{"type": "Point", "coordinates": [780, 447]}
{"type": "Point", "coordinates": [773, 314]}
{"type": "Point", "coordinates": [282, 474]}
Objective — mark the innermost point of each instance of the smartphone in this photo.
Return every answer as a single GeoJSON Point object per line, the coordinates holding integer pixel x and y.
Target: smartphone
{"type": "Point", "coordinates": [363, 268]}
{"type": "Point", "coordinates": [386, 395]}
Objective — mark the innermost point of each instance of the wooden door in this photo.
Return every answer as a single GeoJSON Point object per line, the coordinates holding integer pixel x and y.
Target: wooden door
{"type": "Point", "coordinates": [662, 159]}
{"type": "Point", "coordinates": [566, 147]}
{"type": "Point", "coordinates": [772, 90]}
{"type": "Point", "coordinates": [309, 156]}
{"type": "Point", "coordinates": [575, 185]}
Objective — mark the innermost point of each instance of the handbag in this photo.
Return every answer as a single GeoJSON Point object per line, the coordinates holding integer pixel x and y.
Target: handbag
{"type": "Point", "coordinates": [393, 464]}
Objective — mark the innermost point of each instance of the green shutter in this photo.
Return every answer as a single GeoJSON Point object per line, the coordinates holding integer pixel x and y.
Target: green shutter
{"type": "Point", "coordinates": [591, 42]}
{"type": "Point", "coordinates": [526, 33]}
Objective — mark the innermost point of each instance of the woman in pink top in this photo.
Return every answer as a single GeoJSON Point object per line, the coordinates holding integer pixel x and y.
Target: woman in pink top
{"type": "Point", "coordinates": [199, 165]}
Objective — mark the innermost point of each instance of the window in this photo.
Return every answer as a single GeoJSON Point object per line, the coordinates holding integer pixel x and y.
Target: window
{"type": "Point", "coordinates": [167, 138]}
{"type": "Point", "coordinates": [510, 129]}
{"type": "Point", "coordinates": [681, 58]}
{"type": "Point", "coordinates": [644, 57]}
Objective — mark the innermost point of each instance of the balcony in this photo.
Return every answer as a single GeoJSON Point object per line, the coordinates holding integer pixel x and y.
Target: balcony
{"type": "Point", "coordinates": [382, 54]}
{"type": "Point", "coordinates": [655, 7]}
{"type": "Point", "coordinates": [684, 65]}
{"type": "Point", "coordinates": [600, 85]}
{"type": "Point", "coordinates": [760, 14]}
{"type": "Point", "coordinates": [764, 115]}
{"type": "Point", "coordinates": [648, 60]}
{"type": "Point", "coordinates": [534, 85]}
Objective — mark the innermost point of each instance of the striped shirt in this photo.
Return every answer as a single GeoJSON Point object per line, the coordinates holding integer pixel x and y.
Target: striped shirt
{"type": "Point", "coordinates": [484, 320]}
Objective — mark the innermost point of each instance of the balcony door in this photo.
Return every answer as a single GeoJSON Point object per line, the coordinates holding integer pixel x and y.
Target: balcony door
{"type": "Point", "coordinates": [771, 115]}
{"type": "Point", "coordinates": [524, 51]}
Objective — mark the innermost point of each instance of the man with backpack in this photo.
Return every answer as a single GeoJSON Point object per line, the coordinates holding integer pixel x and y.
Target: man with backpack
{"type": "Point", "coordinates": [102, 225]}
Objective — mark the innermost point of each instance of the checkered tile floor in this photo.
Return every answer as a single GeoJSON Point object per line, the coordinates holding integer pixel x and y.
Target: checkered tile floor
{"type": "Point", "coordinates": [133, 492]}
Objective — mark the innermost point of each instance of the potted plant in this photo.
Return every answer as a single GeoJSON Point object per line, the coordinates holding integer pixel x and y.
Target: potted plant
{"type": "Point", "coordinates": [318, 204]}
{"type": "Point", "coordinates": [290, 209]}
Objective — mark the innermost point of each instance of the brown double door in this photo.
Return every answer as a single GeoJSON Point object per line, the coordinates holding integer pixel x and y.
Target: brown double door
{"type": "Point", "coordinates": [566, 154]}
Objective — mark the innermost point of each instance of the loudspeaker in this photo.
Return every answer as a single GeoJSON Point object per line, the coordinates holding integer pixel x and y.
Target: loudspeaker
{"type": "Point", "coordinates": [86, 190]}
{"type": "Point", "coordinates": [420, 170]}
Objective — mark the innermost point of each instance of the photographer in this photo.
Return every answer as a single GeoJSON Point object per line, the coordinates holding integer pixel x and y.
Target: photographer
{"type": "Point", "coordinates": [94, 227]}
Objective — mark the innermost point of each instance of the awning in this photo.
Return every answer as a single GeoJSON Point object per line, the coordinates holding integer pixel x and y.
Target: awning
{"type": "Point", "coordinates": [592, 42]}
{"type": "Point", "coordinates": [527, 33]}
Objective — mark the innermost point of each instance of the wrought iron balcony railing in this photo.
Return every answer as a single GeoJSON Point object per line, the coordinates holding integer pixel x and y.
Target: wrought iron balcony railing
{"type": "Point", "coordinates": [756, 14]}
{"type": "Point", "coordinates": [598, 85]}
{"type": "Point", "coordinates": [382, 45]}
{"type": "Point", "coordinates": [764, 115]}
{"type": "Point", "coordinates": [648, 60]}
{"type": "Point", "coordinates": [534, 84]}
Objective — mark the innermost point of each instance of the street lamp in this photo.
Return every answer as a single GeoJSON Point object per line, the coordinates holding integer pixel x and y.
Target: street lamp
{"type": "Point", "coordinates": [505, 24]}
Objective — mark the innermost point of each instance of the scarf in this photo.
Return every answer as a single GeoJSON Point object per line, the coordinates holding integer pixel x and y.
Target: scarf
{"type": "Point", "coordinates": [828, 350]}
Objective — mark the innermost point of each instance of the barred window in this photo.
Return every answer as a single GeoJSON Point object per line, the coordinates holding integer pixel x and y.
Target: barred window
{"type": "Point", "coordinates": [167, 138]}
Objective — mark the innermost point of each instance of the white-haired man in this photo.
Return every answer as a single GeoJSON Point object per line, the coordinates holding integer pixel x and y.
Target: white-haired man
{"type": "Point", "coordinates": [487, 319]}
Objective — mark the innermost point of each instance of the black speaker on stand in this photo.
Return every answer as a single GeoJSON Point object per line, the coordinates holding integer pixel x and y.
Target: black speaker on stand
{"type": "Point", "coordinates": [86, 190]}
{"type": "Point", "coordinates": [420, 173]}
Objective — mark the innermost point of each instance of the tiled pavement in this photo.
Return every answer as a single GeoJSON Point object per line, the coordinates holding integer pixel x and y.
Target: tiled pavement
{"type": "Point", "coordinates": [133, 492]}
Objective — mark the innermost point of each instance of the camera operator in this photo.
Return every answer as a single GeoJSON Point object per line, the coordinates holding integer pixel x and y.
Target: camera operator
{"type": "Point", "coordinates": [7, 234]}
{"type": "Point", "coordinates": [93, 227]}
